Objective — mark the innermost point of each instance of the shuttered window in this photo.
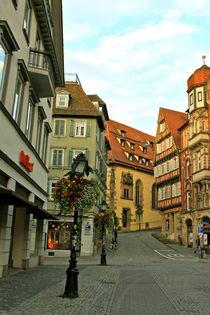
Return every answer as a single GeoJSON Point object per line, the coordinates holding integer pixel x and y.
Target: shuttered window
{"type": "Point", "coordinates": [59, 128]}
{"type": "Point", "coordinates": [57, 157]}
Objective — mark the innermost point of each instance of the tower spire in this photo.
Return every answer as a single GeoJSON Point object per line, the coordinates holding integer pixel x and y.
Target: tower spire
{"type": "Point", "coordinates": [204, 57]}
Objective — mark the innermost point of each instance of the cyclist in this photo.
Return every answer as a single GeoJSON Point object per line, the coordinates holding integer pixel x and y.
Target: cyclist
{"type": "Point", "coordinates": [198, 245]}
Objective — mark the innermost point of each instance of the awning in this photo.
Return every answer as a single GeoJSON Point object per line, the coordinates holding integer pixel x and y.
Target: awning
{"type": "Point", "coordinates": [39, 213]}
{"type": "Point", "coordinates": [10, 197]}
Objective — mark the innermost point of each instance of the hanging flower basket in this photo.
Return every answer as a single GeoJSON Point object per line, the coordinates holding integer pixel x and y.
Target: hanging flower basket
{"type": "Point", "coordinates": [77, 191]}
{"type": "Point", "coordinates": [104, 219]}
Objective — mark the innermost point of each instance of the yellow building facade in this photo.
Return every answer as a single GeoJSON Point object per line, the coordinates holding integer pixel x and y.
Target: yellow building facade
{"type": "Point", "coordinates": [130, 181]}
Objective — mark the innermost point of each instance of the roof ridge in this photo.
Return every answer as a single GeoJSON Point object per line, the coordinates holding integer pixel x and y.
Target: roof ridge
{"type": "Point", "coordinates": [143, 133]}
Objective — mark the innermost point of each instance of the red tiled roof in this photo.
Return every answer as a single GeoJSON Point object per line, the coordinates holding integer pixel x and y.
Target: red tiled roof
{"type": "Point", "coordinates": [80, 103]}
{"type": "Point", "coordinates": [138, 138]}
{"type": "Point", "coordinates": [174, 121]}
{"type": "Point", "coordinates": [198, 78]}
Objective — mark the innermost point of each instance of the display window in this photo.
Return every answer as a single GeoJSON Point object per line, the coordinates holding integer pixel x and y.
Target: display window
{"type": "Point", "coordinates": [59, 235]}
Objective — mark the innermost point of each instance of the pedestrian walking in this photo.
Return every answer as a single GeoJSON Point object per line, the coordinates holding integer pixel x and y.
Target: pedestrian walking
{"type": "Point", "coordinates": [198, 244]}
{"type": "Point", "coordinates": [115, 235]}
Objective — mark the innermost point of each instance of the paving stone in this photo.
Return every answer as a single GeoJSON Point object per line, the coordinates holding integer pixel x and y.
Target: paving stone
{"type": "Point", "coordinates": [137, 280]}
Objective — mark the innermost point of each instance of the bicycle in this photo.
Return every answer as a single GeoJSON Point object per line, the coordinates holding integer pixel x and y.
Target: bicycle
{"type": "Point", "coordinates": [201, 252]}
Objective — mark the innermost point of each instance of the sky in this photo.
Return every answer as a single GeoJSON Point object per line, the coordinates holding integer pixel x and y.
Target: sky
{"type": "Point", "coordinates": [136, 55]}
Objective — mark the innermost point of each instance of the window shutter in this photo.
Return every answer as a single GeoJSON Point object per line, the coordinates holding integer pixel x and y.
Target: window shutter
{"type": "Point", "coordinates": [56, 127]}
{"type": "Point", "coordinates": [87, 154]}
{"type": "Point", "coordinates": [88, 130]}
{"type": "Point", "coordinates": [70, 156]}
{"type": "Point", "coordinates": [62, 127]}
{"type": "Point", "coordinates": [72, 127]}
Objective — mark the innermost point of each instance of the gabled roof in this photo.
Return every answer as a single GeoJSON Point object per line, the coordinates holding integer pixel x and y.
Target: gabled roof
{"type": "Point", "coordinates": [174, 120]}
{"type": "Point", "coordinates": [138, 138]}
{"type": "Point", "coordinates": [80, 104]}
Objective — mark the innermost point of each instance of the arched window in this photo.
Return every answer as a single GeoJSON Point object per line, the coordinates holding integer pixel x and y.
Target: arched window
{"type": "Point", "coordinates": [139, 194]}
{"type": "Point", "coordinates": [187, 168]}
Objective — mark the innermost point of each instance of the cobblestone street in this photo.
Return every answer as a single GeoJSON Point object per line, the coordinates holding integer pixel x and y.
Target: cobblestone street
{"type": "Point", "coordinates": [143, 276]}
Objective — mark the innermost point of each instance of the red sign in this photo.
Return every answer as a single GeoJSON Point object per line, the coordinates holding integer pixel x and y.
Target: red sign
{"type": "Point", "coordinates": [24, 159]}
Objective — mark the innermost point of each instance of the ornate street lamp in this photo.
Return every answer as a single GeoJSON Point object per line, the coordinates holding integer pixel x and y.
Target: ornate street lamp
{"type": "Point", "coordinates": [103, 249]}
{"type": "Point", "coordinates": [79, 167]}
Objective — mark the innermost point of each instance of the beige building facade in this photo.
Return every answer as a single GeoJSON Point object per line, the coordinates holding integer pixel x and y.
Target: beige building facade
{"type": "Point", "coordinates": [78, 125]}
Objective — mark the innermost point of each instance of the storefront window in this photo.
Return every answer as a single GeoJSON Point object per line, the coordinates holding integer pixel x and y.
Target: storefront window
{"type": "Point", "coordinates": [59, 235]}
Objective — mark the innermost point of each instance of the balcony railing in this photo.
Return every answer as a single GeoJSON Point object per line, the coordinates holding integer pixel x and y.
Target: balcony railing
{"type": "Point", "coordinates": [198, 138]}
{"type": "Point", "coordinates": [41, 73]}
{"type": "Point", "coordinates": [169, 203]}
{"type": "Point", "coordinates": [40, 60]}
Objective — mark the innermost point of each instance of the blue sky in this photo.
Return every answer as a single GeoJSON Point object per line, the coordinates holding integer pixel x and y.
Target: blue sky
{"type": "Point", "coordinates": [136, 55]}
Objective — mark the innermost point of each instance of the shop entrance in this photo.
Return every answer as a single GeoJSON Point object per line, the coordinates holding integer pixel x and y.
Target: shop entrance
{"type": "Point", "coordinates": [206, 233]}
{"type": "Point", "coordinates": [189, 233]}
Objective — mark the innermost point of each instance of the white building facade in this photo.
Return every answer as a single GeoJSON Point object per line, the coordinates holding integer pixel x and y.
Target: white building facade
{"type": "Point", "coordinates": [31, 66]}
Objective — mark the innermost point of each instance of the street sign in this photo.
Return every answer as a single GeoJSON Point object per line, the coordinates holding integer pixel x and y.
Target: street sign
{"type": "Point", "coordinates": [175, 255]}
{"type": "Point", "coordinates": [200, 230]}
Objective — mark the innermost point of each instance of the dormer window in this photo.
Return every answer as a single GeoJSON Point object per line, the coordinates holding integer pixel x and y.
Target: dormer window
{"type": "Point", "coordinates": [147, 163]}
{"type": "Point", "coordinates": [132, 146]}
{"type": "Point", "coordinates": [140, 161]}
{"type": "Point", "coordinates": [145, 150]}
{"type": "Point", "coordinates": [199, 96]}
{"type": "Point", "coordinates": [62, 100]}
{"type": "Point", "coordinates": [122, 142]}
{"type": "Point", "coordinates": [122, 133]}
{"type": "Point", "coordinates": [130, 157]}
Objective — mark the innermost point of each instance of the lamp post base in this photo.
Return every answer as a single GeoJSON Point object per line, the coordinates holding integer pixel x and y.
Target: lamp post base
{"type": "Point", "coordinates": [71, 288]}
{"type": "Point", "coordinates": [103, 258]}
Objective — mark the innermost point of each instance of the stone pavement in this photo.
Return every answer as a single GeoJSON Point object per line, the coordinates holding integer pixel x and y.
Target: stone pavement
{"type": "Point", "coordinates": [136, 280]}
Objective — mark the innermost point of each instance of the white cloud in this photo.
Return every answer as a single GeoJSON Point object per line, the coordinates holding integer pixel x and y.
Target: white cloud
{"type": "Point", "coordinates": [140, 67]}
{"type": "Point", "coordinates": [78, 31]}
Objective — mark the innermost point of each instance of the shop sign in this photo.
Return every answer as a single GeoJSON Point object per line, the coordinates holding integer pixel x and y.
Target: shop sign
{"type": "Point", "coordinates": [24, 159]}
{"type": "Point", "coordinates": [200, 230]}
{"type": "Point", "coordinates": [87, 229]}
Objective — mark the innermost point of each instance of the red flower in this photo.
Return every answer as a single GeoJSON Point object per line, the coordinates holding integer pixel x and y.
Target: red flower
{"type": "Point", "coordinates": [76, 198]}
{"type": "Point", "coordinates": [72, 203]}
{"type": "Point", "coordinates": [66, 194]}
{"type": "Point", "coordinates": [68, 198]}
{"type": "Point", "coordinates": [58, 193]}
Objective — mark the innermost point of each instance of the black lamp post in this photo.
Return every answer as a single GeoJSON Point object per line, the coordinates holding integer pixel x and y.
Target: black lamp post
{"type": "Point", "coordinates": [103, 249]}
{"type": "Point", "coordinates": [79, 167]}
